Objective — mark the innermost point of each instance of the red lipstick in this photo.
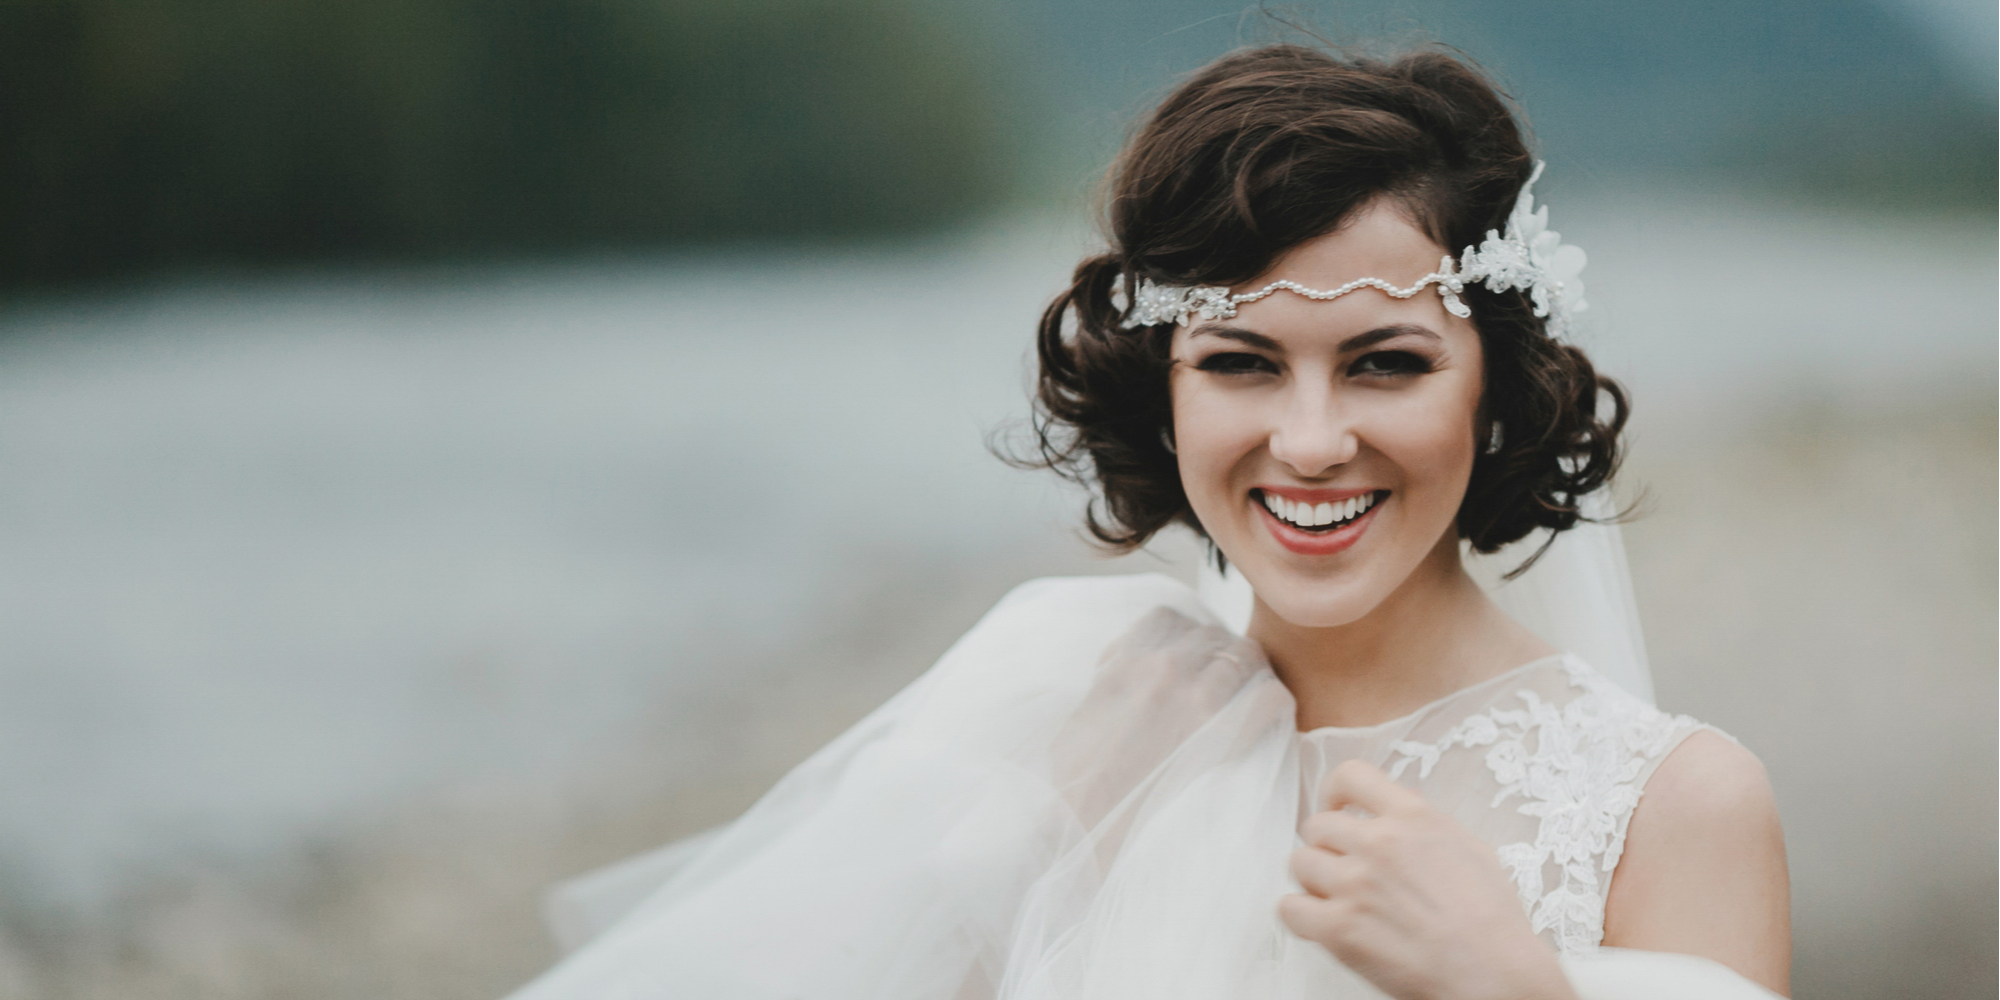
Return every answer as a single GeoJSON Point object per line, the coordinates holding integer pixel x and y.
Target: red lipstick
{"type": "Point", "coordinates": [1316, 543]}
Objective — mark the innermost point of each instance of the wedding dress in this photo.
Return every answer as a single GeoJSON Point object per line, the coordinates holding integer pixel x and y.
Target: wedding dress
{"type": "Point", "coordinates": [1094, 794]}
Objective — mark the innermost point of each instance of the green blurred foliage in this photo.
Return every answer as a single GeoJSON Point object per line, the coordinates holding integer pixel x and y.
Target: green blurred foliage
{"type": "Point", "coordinates": [136, 134]}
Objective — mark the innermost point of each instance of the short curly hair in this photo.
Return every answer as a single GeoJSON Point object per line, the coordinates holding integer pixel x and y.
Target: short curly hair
{"type": "Point", "coordinates": [1257, 153]}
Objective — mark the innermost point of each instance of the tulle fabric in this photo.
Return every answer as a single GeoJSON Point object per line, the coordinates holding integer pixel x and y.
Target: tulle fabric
{"type": "Point", "coordinates": [1627, 974]}
{"type": "Point", "coordinates": [1093, 794]}
{"type": "Point", "coordinates": [991, 831]}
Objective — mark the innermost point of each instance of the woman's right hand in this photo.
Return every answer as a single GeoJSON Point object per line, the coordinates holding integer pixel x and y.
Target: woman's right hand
{"type": "Point", "coordinates": [1411, 900]}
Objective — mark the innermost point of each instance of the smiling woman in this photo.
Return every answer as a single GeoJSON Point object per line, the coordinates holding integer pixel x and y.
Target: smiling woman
{"type": "Point", "coordinates": [1096, 792]}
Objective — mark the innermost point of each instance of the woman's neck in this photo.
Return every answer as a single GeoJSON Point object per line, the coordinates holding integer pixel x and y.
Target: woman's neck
{"type": "Point", "coordinates": [1433, 635]}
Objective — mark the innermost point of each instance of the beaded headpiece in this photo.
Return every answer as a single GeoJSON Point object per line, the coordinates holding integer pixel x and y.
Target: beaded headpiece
{"type": "Point", "coordinates": [1529, 256]}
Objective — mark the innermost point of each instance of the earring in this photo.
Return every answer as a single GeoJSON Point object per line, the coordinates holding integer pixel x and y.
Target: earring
{"type": "Point", "coordinates": [1167, 440]}
{"type": "Point", "coordinates": [1495, 439]}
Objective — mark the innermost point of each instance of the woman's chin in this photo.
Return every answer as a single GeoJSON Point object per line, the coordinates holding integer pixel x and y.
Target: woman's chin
{"type": "Point", "coordinates": [1304, 602]}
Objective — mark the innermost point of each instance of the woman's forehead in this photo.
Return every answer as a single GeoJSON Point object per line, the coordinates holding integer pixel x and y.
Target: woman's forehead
{"type": "Point", "coordinates": [1304, 326]}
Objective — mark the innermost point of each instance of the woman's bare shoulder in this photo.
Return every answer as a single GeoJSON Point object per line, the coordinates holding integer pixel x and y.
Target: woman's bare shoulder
{"type": "Point", "coordinates": [1703, 871]}
{"type": "Point", "coordinates": [1712, 782]}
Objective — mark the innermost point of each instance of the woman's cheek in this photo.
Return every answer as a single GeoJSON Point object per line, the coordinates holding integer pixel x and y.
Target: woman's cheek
{"type": "Point", "coordinates": [1451, 457]}
{"type": "Point", "coordinates": [1211, 442]}
{"type": "Point", "coordinates": [1433, 444]}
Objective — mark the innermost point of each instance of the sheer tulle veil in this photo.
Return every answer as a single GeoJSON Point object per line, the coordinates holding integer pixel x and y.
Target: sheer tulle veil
{"type": "Point", "coordinates": [1578, 595]}
{"type": "Point", "coordinates": [1092, 796]}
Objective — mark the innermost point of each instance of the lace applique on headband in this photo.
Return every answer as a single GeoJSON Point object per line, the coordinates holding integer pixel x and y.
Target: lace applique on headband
{"type": "Point", "coordinates": [1530, 256]}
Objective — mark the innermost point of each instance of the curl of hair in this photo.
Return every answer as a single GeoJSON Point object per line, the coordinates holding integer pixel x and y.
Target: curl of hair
{"type": "Point", "coordinates": [1262, 151]}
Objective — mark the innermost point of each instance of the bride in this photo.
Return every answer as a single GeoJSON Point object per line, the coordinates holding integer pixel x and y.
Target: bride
{"type": "Point", "coordinates": [1327, 336]}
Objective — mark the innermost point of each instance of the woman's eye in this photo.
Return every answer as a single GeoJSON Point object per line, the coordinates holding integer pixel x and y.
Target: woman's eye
{"type": "Point", "coordinates": [1391, 363]}
{"type": "Point", "coordinates": [1236, 363]}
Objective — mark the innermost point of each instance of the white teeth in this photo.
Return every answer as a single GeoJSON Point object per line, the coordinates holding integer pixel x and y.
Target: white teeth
{"type": "Point", "coordinates": [1307, 515]}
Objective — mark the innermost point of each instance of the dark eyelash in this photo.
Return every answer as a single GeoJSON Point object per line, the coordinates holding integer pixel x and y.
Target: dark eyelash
{"type": "Point", "coordinates": [1392, 363]}
{"type": "Point", "coordinates": [1234, 362]}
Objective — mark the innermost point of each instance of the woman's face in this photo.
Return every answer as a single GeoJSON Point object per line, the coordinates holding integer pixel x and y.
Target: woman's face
{"type": "Point", "coordinates": [1360, 411]}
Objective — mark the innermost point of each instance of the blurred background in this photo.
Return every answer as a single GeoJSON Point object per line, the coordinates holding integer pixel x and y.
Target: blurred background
{"type": "Point", "coordinates": [448, 446]}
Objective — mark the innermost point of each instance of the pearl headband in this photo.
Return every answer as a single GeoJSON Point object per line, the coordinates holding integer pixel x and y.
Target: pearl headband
{"type": "Point", "coordinates": [1530, 256]}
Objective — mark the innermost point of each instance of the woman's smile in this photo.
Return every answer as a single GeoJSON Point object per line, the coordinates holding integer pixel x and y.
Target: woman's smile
{"type": "Point", "coordinates": [1317, 522]}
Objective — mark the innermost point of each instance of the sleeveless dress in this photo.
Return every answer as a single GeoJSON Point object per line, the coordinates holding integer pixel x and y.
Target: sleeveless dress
{"type": "Point", "coordinates": [1094, 794]}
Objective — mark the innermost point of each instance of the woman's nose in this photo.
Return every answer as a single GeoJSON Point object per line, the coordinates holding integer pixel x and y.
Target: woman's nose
{"type": "Point", "coordinates": [1313, 436]}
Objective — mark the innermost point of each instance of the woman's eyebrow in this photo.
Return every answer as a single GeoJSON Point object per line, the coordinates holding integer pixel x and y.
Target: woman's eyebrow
{"type": "Point", "coordinates": [1238, 334]}
{"type": "Point", "coordinates": [1382, 333]}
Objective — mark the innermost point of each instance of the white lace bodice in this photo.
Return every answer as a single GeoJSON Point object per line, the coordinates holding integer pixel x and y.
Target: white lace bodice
{"type": "Point", "coordinates": [1545, 762]}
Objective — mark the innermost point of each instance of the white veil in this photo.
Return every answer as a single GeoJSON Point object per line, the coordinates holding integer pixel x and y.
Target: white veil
{"type": "Point", "coordinates": [1578, 596]}
{"type": "Point", "coordinates": [1091, 796]}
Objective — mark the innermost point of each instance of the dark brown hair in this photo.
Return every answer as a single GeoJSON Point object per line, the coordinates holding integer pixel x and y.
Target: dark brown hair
{"type": "Point", "coordinates": [1259, 152]}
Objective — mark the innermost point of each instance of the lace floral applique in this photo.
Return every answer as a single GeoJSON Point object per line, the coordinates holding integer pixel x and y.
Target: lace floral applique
{"type": "Point", "coordinates": [1574, 767]}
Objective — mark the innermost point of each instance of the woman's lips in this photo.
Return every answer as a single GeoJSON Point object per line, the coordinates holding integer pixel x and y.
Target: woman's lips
{"type": "Point", "coordinates": [1317, 543]}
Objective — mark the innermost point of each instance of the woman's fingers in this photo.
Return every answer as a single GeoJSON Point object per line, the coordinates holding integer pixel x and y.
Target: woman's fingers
{"type": "Point", "coordinates": [1327, 875]}
{"type": "Point", "coordinates": [1339, 832]}
{"type": "Point", "coordinates": [1359, 783]}
{"type": "Point", "coordinates": [1313, 918]}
